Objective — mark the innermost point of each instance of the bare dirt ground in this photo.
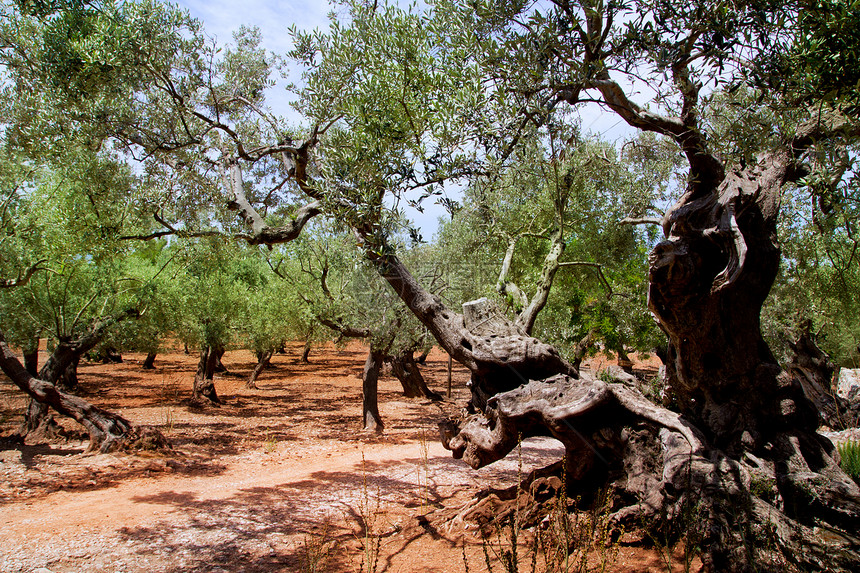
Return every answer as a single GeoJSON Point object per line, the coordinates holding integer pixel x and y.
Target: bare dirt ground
{"type": "Point", "coordinates": [277, 479]}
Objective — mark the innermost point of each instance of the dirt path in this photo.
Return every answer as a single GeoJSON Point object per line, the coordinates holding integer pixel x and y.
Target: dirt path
{"type": "Point", "coordinates": [258, 514]}
{"type": "Point", "coordinates": [264, 483]}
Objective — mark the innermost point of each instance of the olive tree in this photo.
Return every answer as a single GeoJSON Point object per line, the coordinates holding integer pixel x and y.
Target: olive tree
{"type": "Point", "coordinates": [740, 418]}
{"type": "Point", "coordinates": [62, 296]}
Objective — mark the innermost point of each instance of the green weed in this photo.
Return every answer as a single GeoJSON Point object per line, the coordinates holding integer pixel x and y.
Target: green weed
{"type": "Point", "coordinates": [169, 394]}
{"type": "Point", "coordinates": [424, 484]}
{"type": "Point", "coordinates": [849, 458]}
{"type": "Point", "coordinates": [271, 443]}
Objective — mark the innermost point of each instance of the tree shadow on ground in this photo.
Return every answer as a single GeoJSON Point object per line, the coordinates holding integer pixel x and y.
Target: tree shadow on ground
{"type": "Point", "coordinates": [30, 454]}
{"type": "Point", "coordinates": [47, 469]}
{"type": "Point", "coordinates": [270, 528]}
{"type": "Point", "coordinates": [258, 530]}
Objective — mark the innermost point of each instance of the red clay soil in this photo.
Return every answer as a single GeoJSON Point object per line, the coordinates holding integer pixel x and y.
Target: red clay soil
{"type": "Point", "coordinates": [280, 478]}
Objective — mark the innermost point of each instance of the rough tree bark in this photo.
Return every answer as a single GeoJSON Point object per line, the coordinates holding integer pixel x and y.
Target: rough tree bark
{"type": "Point", "coordinates": [39, 425]}
{"type": "Point", "coordinates": [665, 477]}
{"type": "Point", "coordinates": [405, 369]}
{"type": "Point", "coordinates": [69, 377]}
{"type": "Point", "coordinates": [106, 430]}
{"type": "Point", "coordinates": [369, 392]}
{"type": "Point", "coordinates": [219, 366]}
{"type": "Point", "coordinates": [263, 359]}
{"type": "Point", "coordinates": [306, 352]}
{"type": "Point", "coordinates": [814, 370]}
{"type": "Point", "coordinates": [204, 386]}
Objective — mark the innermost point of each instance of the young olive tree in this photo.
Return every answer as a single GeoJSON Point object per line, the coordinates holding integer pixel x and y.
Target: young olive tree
{"type": "Point", "coordinates": [209, 295]}
{"type": "Point", "coordinates": [273, 312]}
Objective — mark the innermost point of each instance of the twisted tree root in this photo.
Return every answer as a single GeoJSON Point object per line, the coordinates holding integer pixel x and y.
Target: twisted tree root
{"type": "Point", "coordinates": [786, 506]}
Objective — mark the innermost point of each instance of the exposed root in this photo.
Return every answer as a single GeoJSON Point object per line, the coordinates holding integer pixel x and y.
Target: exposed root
{"type": "Point", "coordinates": [144, 439]}
{"type": "Point", "coordinates": [786, 506]}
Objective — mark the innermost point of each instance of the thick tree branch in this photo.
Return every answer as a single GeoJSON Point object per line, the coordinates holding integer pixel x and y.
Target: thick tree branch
{"type": "Point", "coordinates": [344, 330]}
{"type": "Point", "coordinates": [284, 233]}
{"type": "Point", "coordinates": [446, 325]}
{"type": "Point", "coordinates": [706, 171]}
{"type": "Point", "coordinates": [170, 230]}
{"type": "Point", "coordinates": [505, 287]}
{"type": "Point", "coordinates": [232, 175]}
{"type": "Point", "coordinates": [640, 221]}
{"type": "Point", "coordinates": [497, 353]}
{"type": "Point", "coordinates": [826, 124]}
{"type": "Point", "coordinates": [24, 277]}
{"type": "Point", "coordinates": [526, 319]}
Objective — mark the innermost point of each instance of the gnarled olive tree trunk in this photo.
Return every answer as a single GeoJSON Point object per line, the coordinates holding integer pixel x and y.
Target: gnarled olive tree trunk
{"type": "Point", "coordinates": [204, 385]}
{"type": "Point", "coordinates": [264, 357]}
{"type": "Point", "coordinates": [740, 455]}
{"type": "Point", "coordinates": [814, 370]}
{"type": "Point", "coordinates": [405, 369]}
{"type": "Point", "coordinates": [708, 281]}
{"type": "Point", "coordinates": [106, 430]}
{"type": "Point", "coordinates": [762, 490]}
{"type": "Point", "coordinates": [61, 370]}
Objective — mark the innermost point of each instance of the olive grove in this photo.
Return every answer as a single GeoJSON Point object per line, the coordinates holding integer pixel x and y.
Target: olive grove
{"type": "Point", "coordinates": [400, 105]}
